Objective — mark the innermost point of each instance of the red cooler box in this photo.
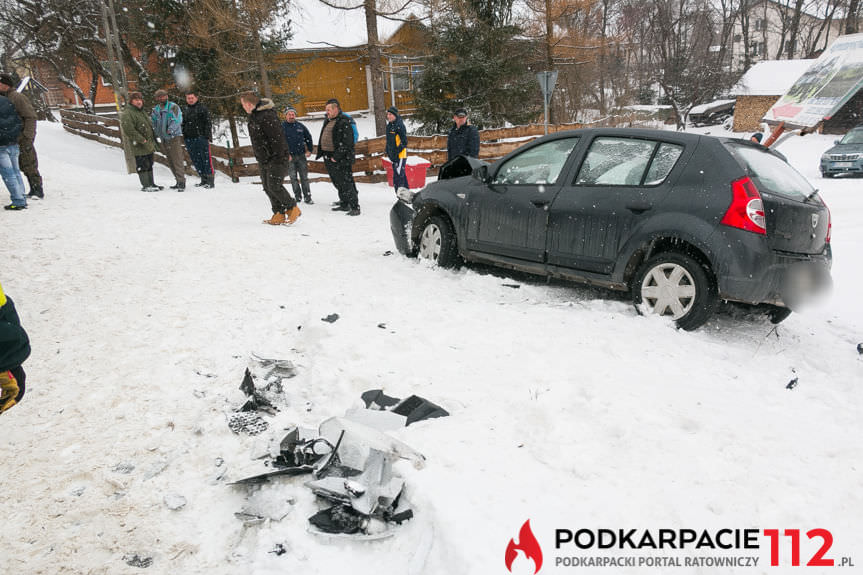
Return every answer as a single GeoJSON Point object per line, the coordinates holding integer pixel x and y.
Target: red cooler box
{"type": "Point", "coordinates": [416, 173]}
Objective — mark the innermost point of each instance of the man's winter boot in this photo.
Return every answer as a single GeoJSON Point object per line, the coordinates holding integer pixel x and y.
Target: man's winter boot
{"type": "Point", "coordinates": [293, 214]}
{"type": "Point", "coordinates": [142, 176]}
{"type": "Point", "coordinates": [36, 192]}
{"type": "Point", "coordinates": [277, 219]}
{"type": "Point", "coordinates": [209, 181]}
{"type": "Point", "coordinates": [151, 186]}
{"type": "Point", "coordinates": [203, 181]}
{"type": "Point", "coordinates": [354, 211]}
{"type": "Point", "coordinates": [309, 199]}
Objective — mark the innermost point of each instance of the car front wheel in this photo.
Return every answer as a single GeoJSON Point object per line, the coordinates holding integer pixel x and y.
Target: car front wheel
{"type": "Point", "coordinates": [437, 242]}
{"type": "Point", "coordinates": [676, 286]}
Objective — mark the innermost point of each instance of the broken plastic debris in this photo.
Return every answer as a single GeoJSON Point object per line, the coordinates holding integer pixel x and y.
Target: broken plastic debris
{"type": "Point", "coordinates": [791, 384]}
{"type": "Point", "coordinates": [137, 561]}
{"type": "Point", "coordinates": [376, 398]}
{"type": "Point", "coordinates": [416, 408]}
{"type": "Point", "coordinates": [332, 318]}
{"type": "Point", "coordinates": [247, 422]}
{"type": "Point", "coordinates": [174, 501]}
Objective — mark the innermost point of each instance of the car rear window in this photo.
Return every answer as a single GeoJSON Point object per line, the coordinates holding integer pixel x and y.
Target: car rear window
{"type": "Point", "coordinates": [771, 173]}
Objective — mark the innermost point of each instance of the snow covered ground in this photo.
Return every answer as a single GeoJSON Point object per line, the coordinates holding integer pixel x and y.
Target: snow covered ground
{"type": "Point", "coordinates": [567, 408]}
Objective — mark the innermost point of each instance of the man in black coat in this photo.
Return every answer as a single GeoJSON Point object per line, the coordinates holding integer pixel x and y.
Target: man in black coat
{"type": "Point", "coordinates": [271, 152]}
{"type": "Point", "coordinates": [197, 134]}
{"type": "Point", "coordinates": [463, 139]}
{"type": "Point", "coordinates": [336, 146]}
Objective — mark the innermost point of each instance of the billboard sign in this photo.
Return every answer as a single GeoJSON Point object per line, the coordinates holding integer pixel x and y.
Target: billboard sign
{"type": "Point", "coordinates": [825, 87]}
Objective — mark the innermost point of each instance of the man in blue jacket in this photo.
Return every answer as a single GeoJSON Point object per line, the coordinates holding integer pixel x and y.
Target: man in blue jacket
{"type": "Point", "coordinates": [300, 146]}
{"type": "Point", "coordinates": [397, 147]}
{"type": "Point", "coordinates": [10, 129]}
{"type": "Point", "coordinates": [463, 139]}
{"type": "Point", "coordinates": [168, 127]}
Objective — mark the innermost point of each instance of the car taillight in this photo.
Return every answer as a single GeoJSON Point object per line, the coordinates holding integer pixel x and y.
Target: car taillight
{"type": "Point", "coordinates": [829, 224]}
{"type": "Point", "coordinates": [746, 211]}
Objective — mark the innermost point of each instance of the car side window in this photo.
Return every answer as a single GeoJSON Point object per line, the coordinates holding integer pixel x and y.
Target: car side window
{"type": "Point", "coordinates": [665, 158]}
{"type": "Point", "coordinates": [539, 165]}
{"type": "Point", "coordinates": [615, 162]}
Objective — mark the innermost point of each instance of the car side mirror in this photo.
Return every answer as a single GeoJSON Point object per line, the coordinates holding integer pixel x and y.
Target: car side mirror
{"type": "Point", "coordinates": [836, 142]}
{"type": "Point", "coordinates": [481, 174]}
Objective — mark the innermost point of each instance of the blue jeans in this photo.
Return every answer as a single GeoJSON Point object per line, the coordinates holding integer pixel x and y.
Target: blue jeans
{"type": "Point", "coordinates": [11, 174]}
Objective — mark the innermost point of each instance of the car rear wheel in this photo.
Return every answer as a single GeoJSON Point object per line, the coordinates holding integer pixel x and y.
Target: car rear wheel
{"type": "Point", "coordinates": [437, 242]}
{"type": "Point", "coordinates": [676, 286]}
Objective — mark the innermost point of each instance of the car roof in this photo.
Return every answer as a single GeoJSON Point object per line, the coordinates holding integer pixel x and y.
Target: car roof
{"type": "Point", "coordinates": [669, 135]}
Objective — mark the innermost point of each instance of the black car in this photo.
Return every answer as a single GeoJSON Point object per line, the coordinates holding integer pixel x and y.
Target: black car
{"type": "Point", "coordinates": [680, 220]}
{"type": "Point", "coordinates": [712, 113]}
{"type": "Point", "coordinates": [846, 157]}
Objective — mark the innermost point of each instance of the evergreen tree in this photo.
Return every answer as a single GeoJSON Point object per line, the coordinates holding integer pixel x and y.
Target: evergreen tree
{"type": "Point", "coordinates": [478, 61]}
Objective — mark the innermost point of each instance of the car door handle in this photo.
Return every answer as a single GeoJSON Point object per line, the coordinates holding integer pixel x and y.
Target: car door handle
{"type": "Point", "coordinates": [540, 203]}
{"type": "Point", "coordinates": [638, 207]}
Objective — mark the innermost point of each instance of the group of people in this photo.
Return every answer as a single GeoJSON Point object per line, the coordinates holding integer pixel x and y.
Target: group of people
{"type": "Point", "coordinates": [280, 148]}
{"type": "Point", "coordinates": [17, 154]}
{"type": "Point", "coordinates": [170, 127]}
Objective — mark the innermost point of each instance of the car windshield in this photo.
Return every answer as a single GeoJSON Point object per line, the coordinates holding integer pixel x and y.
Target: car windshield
{"type": "Point", "coordinates": [853, 137]}
{"type": "Point", "coordinates": [771, 173]}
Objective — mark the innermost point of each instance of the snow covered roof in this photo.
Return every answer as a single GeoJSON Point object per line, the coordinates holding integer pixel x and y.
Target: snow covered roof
{"type": "Point", "coordinates": [770, 78]}
{"type": "Point", "coordinates": [316, 25]}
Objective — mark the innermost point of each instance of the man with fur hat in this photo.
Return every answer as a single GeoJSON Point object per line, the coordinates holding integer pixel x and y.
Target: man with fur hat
{"type": "Point", "coordinates": [397, 147]}
{"type": "Point", "coordinates": [300, 147]}
{"type": "Point", "coordinates": [28, 162]}
{"type": "Point", "coordinates": [168, 126]}
{"type": "Point", "coordinates": [271, 152]}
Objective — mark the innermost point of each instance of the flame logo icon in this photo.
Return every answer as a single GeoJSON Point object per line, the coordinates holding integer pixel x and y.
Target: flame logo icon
{"type": "Point", "coordinates": [528, 545]}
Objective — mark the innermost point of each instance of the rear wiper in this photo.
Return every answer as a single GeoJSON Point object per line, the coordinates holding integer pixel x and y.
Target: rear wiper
{"type": "Point", "coordinates": [810, 196]}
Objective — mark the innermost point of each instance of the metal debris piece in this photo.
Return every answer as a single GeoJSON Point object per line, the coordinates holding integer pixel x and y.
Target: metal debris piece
{"type": "Point", "coordinates": [247, 422]}
{"type": "Point", "coordinates": [137, 561]}
{"type": "Point", "coordinates": [174, 501]}
{"type": "Point", "coordinates": [332, 318]}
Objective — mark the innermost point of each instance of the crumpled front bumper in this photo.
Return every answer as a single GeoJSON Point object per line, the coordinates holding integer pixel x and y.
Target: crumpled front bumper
{"type": "Point", "coordinates": [401, 223]}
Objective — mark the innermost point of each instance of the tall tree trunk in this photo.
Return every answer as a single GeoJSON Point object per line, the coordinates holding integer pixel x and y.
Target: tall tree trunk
{"type": "Point", "coordinates": [794, 32]}
{"type": "Point", "coordinates": [262, 63]}
{"type": "Point", "coordinates": [375, 66]}
{"type": "Point", "coordinates": [852, 25]}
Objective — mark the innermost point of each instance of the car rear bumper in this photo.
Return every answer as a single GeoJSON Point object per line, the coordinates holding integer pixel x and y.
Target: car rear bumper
{"type": "Point", "coordinates": [778, 278]}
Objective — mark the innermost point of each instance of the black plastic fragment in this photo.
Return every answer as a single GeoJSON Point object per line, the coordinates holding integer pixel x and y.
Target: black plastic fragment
{"type": "Point", "coordinates": [338, 519]}
{"type": "Point", "coordinates": [332, 318]}
{"type": "Point", "coordinates": [401, 517]}
{"type": "Point", "coordinates": [791, 384]}
{"type": "Point", "coordinates": [376, 399]}
{"type": "Point", "coordinates": [248, 386]}
{"type": "Point", "coordinates": [416, 408]}
{"type": "Point", "coordinates": [137, 561]}
{"type": "Point", "coordinates": [860, 348]}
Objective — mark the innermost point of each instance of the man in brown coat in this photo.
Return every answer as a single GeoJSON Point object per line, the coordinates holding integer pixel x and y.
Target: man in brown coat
{"type": "Point", "coordinates": [27, 161]}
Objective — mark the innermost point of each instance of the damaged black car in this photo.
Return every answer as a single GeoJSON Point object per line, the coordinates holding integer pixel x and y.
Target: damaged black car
{"type": "Point", "coordinates": [679, 220]}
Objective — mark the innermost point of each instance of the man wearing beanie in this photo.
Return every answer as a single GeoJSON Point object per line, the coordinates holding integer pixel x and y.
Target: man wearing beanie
{"type": "Point", "coordinates": [397, 147]}
{"type": "Point", "coordinates": [168, 126]}
{"type": "Point", "coordinates": [28, 162]}
{"type": "Point", "coordinates": [300, 146]}
{"type": "Point", "coordinates": [463, 139]}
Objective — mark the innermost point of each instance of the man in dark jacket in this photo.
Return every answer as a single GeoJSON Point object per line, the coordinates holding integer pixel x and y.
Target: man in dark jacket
{"type": "Point", "coordinates": [137, 129]}
{"type": "Point", "coordinates": [28, 162]}
{"type": "Point", "coordinates": [463, 139]}
{"type": "Point", "coordinates": [14, 349]}
{"type": "Point", "coordinates": [300, 146]}
{"type": "Point", "coordinates": [336, 146]}
{"type": "Point", "coordinates": [10, 130]}
{"type": "Point", "coordinates": [271, 152]}
{"type": "Point", "coordinates": [397, 147]}
{"type": "Point", "coordinates": [197, 134]}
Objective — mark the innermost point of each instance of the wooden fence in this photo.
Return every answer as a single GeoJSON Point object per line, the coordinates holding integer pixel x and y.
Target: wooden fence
{"type": "Point", "coordinates": [240, 162]}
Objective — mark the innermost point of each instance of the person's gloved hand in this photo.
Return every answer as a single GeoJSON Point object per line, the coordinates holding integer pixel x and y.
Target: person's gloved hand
{"type": "Point", "coordinates": [8, 390]}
